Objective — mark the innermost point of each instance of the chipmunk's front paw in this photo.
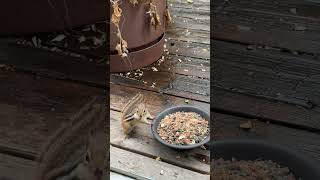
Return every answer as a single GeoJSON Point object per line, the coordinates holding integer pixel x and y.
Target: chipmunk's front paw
{"type": "Point", "coordinates": [149, 122]}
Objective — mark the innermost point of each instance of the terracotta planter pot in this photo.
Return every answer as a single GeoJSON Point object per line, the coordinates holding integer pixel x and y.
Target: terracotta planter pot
{"type": "Point", "coordinates": [145, 42]}
{"type": "Point", "coordinates": [21, 17]}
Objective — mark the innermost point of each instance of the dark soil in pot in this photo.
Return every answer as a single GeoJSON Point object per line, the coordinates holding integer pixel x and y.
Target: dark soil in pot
{"type": "Point", "coordinates": [251, 150]}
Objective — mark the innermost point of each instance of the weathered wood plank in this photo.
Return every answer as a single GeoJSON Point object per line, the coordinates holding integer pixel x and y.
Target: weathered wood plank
{"type": "Point", "coordinates": [269, 74]}
{"type": "Point", "coordinates": [183, 34]}
{"type": "Point", "coordinates": [119, 96]}
{"type": "Point", "coordinates": [273, 111]}
{"type": "Point", "coordinates": [187, 66]}
{"type": "Point", "coordinates": [89, 40]}
{"type": "Point", "coordinates": [14, 168]}
{"type": "Point", "coordinates": [172, 79]}
{"type": "Point", "coordinates": [251, 26]}
{"type": "Point", "coordinates": [148, 167]}
{"type": "Point", "coordinates": [190, 23]}
{"type": "Point", "coordinates": [114, 175]}
{"type": "Point", "coordinates": [308, 9]}
{"type": "Point", "coordinates": [33, 108]}
{"type": "Point", "coordinates": [142, 142]}
{"type": "Point", "coordinates": [227, 126]}
{"type": "Point", "coordinates": [51, 64]}
{"type": "Point", "coordinates": [268, 59]}
{"type": "Point", "coordinates": [177, 85]}
{"type": "Point", "coordinates": [196, 5]}
{"type": "Point", "coordinates": [195, 50]}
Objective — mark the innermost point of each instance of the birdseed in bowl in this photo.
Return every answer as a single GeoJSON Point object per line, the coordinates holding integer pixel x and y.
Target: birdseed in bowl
{"type": "Point", "coordinates": [249, 170]}
{"type": "Point", "coordinates": [183, 128]}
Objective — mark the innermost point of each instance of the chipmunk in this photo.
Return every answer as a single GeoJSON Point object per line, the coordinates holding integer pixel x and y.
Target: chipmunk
{"type": "Point", "coordinates": [133, 113]}
{"type": "Point", "coordinates": [92, 166]}
{"type": "Point", "coordinates": [87, 119]}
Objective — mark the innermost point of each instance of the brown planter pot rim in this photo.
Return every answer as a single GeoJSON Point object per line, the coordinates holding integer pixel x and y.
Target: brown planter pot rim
{"type": "Point", "coordinates": [138, 59]}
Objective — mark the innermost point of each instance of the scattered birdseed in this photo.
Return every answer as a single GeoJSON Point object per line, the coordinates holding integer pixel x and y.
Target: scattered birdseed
{"type": "Point", "coordinates": [247, 125]}
{"type": "Point", "coordinates": [190, 1]}
{"type": "Point", "coordinates": [153, 85]}
{"type": "Point", "coordinates": [299, 28]}
{"type": "Point", "coordinates": [161, 172]}
{"type": "Point", "coordinates": [183, 128]}
{"type": "Point", "coordinates": [293, 10]}
{"type": "Point", "coordinates": [81, 39]}
{"type": "Point", "coordinates": [249, 170]}
{"type": "Point", "coordinates": [59, 38]}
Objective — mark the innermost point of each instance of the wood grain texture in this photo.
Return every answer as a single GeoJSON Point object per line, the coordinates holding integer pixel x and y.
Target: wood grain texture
{"type": "Point", "coordinates": [15, 168]}
{"type": "Point", "coordinates": [148, 167]}
{"type": "Point", "coordinates": [34, 108]}
{"type": "Point", "coordinates": [142, 142]}
{"type": "Point", "coordinates": [288, 81]}
{"type": "Point", "coordinates": [301, 9]}
{"type": "Point", "coordinates": [227, 126]}
{"type": "Point", "coordinates": [46, 63]}
{"type": "Point", "coordinates": [156, 102]}
{"type": "Point", "coordinates": [270, 23]}
{"type": "Point", "coordinates": [282, 113]}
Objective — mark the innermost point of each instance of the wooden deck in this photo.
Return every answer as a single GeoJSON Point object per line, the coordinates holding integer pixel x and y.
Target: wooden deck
{"type": "Point", "coordinates": [183, 75]}
{"type": "Point", "coordinates": [42, 88]}
{"type": "Point", "coordinates": [266, 70]}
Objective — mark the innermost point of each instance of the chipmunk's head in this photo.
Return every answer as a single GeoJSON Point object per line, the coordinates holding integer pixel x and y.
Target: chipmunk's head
{"type": "Point", "coordinates": [97, 155]}
{"type": "Point", "coordinates": [142, 110]}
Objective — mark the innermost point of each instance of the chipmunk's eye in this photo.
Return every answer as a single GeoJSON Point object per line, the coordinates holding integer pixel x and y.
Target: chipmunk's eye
{"type": "Point", "coordinates": [87, 157]}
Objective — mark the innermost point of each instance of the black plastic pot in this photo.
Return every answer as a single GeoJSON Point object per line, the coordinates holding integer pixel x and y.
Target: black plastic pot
{"type": "Point", "coordinates": [244, 149]}
{"type": "Point", "coordinates": [161, 115]}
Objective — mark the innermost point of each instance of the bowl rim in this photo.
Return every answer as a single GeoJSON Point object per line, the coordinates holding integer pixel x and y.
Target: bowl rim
{"type": "Point", "coordinates": [158, 119]}
{"type": "Point", "coordinates": [276, 150]}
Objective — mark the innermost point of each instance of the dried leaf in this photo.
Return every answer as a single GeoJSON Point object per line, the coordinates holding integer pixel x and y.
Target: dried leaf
{"type": "Point", "coordinates": [168, 17]}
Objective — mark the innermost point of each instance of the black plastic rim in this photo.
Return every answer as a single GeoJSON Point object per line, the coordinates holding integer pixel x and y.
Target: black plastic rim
{"type": "Point", "coordinates": [161, 115]}
{"type": "Point", "coordinates": [247, 149]}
